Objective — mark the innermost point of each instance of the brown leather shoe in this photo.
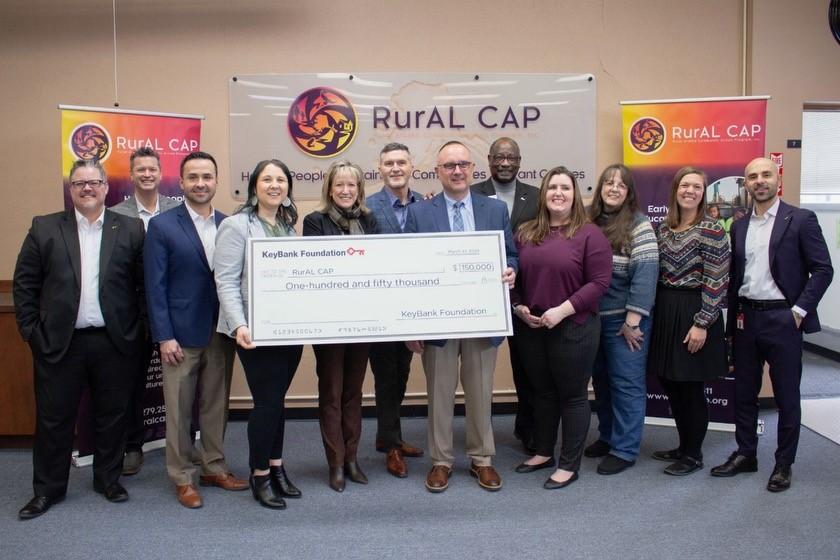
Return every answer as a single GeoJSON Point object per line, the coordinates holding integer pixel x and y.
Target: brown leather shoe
{"type": "Point", "coordinates": [188, 496]}
{"type": "Point", "coordinates": [395, 464]}
{"type": "Point", "coordinates": [487, 477]}
{"type": "Point", "coordinates": [406, 449]}
{"type": "Point", "coordinates": [438, 478]}
{"type": "Point", "coordinates": [225, 481]}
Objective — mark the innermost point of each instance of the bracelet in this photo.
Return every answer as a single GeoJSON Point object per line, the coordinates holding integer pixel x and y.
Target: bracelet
{"type": "Point", "coordinates": [631, 327]}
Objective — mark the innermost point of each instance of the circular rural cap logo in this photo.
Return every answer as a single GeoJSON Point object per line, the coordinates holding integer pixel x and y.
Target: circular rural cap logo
{"type": "Point", "coordinates": [89, 141]}
{"type": "Point", "coordinates": [322, 122]}
{"type": "Point", "coordinates": [647, 135]}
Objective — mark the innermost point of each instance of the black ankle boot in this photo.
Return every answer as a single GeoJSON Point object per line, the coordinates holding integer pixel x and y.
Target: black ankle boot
{"type": "Point", "coordinates": [354, 472]}
{"type": "Point", "coordinates": [282, 484]}
{"type": "Point", "coordinates": [264, 493]}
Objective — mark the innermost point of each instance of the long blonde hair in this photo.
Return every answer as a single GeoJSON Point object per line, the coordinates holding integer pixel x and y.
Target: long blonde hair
{"type": "Point", "coordinates": [537, 229]}
{"type": "Point", "coordinates": [339, 167]}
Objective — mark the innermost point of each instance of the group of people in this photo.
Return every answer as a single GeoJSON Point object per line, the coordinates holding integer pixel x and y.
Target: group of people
{"type": "Point", "coordinates": [596, 293]}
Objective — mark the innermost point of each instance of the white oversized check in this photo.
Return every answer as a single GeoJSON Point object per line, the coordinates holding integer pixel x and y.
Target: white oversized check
{"type": "Point", "coordinates": [310, 290]}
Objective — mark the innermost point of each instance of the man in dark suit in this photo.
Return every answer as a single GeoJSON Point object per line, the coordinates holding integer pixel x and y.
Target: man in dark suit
{"type": "Point", "coordinates": [391, 361]}
{"type": "Point", "coordinates": [780, 270]}
{"type": "Point", "coordinates": [471, 359]}
{"type": "Point", "coordinates": [522, 202]}
{"type": "Point", "coordinates": [145, 203]}
{"type": "Point", "coordinates": [78, 292]}
{"type": "Point", "coordinates": [183, 311]}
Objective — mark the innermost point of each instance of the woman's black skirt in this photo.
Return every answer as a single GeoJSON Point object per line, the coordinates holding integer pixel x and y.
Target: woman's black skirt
{"type": "Point", "coordinates": [668, 356]}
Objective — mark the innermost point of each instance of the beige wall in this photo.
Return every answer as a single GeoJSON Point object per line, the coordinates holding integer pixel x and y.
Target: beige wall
{"type": "Point", "coordinates": [178, 56]}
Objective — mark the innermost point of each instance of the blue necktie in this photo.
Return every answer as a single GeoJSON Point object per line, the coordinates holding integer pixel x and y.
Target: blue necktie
{"type": "Point", "coordinates": [457, 218]}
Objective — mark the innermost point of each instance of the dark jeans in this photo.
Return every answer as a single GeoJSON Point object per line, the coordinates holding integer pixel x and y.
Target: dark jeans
{"type": "Point", "coordinates": [559, 364]}
{"type": "Point", "coordinates": [769, 336]}
{"type": "Point", "coordinates": [341, 371]}
{"type": "Point", "coordinates": [269, 371]}
{"type": "Point", "coordinates": [690, 412]}
{"type": "Point", "coordinates": [91, 360]}
{"type": "Point", "coordinates": [391, 364]}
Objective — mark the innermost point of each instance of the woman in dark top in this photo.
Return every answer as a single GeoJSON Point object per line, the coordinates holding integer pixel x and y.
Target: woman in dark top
{"type": "Point", "coordinates": [687, 344]}
{"type": "Point", "coordinates": [341, 367]}
{"type": "Point", "coordinates": [565, 264]}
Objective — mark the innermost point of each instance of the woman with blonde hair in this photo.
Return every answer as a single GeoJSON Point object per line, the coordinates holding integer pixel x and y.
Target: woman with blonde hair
{"type": "Point", "coordinates": [341, 367]}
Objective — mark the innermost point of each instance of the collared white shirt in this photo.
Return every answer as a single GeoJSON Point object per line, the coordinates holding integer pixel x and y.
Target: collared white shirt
{"type": "Point", "coordinates": [206, 228]}
{"type": "Point", "coordinates": [90, 243]}
{"type": "Point", "coordinates": [758, 280]}
{"type": "Point", "coordinates": [466, 211]}
{"type": "Point", "coordinates": [144, 214]}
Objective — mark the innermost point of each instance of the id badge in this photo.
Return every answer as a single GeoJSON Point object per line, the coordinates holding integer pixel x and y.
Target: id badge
{"type": "Point", "coordinates": [739, 321]}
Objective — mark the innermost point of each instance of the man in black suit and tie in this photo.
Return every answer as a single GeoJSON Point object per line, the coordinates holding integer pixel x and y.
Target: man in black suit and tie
{"type": "Point", "coordinates": [78, 292]}
{"type": "Point", "coordinates": [522, 202]}
{"type": "Point", "coordinates": [780, 270]}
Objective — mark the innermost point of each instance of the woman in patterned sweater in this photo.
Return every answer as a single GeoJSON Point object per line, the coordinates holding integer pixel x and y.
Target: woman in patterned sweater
{"type": "Point", "coordinates": [687, 345]}
{"type": "Point", "coordinates": [619, 373]}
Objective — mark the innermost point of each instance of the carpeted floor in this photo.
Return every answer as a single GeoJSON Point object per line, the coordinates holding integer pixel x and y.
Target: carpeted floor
{"type": "Point", "coordinates": [640, 513]}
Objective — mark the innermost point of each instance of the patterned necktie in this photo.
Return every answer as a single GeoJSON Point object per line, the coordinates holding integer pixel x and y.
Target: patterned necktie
{"type": "Point", "coordinates": [457, 218]}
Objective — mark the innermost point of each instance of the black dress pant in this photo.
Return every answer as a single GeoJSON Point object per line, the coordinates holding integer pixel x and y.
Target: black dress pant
{"type": "Point", "coordinates": [768, 335]}
{"type": "Point", "coordinates": [269, 371]}
{"type": "Point", "coordinates": [559, 365]}
{"type": "Point", "coordinates": [523, 425]}
{"type": "Point", "coordinates": [690, 412]}
{"type": "Point", "coordinates": [91, 360]}
{"type": "Point", "coordinates": [390, 363]}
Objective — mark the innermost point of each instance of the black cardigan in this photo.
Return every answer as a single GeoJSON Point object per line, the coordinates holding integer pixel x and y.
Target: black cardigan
{"type": "Point", "coordinates": [318, 223]}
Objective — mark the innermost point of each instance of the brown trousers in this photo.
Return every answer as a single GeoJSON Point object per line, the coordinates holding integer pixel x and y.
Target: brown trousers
{"type": "Point", "coordinates": [341, 371]}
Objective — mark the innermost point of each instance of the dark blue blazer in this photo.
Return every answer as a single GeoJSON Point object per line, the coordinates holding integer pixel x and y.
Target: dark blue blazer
{"type": "Point", "coordinates": [380, 205]}
{"type": "Point", "coordinates": [431, 216]}
{"type": "Point", "coordinates": [180, 289]}
{"type": "Point", "coordinates": [799, 262]}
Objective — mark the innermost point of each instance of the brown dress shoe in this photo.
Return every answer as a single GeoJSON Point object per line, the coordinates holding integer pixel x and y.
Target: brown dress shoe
{"type": "Point", "coordinates": [395, 464]}
{"type": "Point", "coordinates": [406, 449]}
{"type": "Point", "coordinates": [438, 478]}
{"type": "Point", "coordinates": [487, 477]}
{"type": "Point", "coordinates": [225, 481]}
{"type": "Point", "coordinates": [188, 496]}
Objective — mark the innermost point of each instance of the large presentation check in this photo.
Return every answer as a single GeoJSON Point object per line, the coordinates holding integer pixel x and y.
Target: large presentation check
{"type": "Point", "coordinates": [312, 290]}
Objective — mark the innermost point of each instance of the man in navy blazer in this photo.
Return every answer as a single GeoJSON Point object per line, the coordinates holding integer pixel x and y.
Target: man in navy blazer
{"type": "Point", "coordinates": [456, 209]}
{"type": "Point", "coordinates": [391, 361]}
{"type": "Point", "coordinates": [183, 311]}
{"type": "Point", "coordinates": [780, 270]}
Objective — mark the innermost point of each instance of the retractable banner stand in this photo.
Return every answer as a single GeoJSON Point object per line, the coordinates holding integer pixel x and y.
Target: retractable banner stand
{"type": "Point", "coordinates": [110, 135]}
{"type": "Point", "coordinates": [719, 136]}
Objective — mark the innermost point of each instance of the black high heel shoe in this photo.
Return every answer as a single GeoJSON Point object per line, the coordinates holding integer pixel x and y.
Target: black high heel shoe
{"type": "Point", "coordinates": [354, 472]}
{"type": "Point", "coordinates": [263, 492]}
{"type": "Point", "coordinates": [282, 484]}
{"type": "Point", "coordinates": [337, 479]}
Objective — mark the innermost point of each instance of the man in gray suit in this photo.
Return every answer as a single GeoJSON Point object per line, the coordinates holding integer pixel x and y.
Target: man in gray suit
{"type": "Point", "coordinates": [391, 361]}
{"type": "Point", "coordinates": [145, 203]}
{"type": "Point", "coordinates": [522, 202]}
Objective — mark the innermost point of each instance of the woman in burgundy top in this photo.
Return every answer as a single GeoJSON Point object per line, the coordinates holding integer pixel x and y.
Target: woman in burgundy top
{"type": "Point", "coordinates": [565, 265]}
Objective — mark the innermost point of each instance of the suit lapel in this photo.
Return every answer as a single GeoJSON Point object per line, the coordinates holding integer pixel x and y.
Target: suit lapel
{"type": "Point", "coordinates": [479, 215]}
{"type": "Point", "coordinates": [110, 230]}
{"type": "Point", "coordinates": [70, 233]}
{"type": "Point", "coordinates": [441, 214]}
{"type": "Point", "coordinates": [520, 199]}
{"type": "Point", "coordinates": [189, 230]}
{"type": "Point", "coordinates": [780, 225]}
{"type": "Point", "coordinates": [388, 210]}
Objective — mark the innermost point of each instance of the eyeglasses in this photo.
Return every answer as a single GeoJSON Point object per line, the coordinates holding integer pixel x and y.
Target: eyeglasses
{"type": "Point", "coordinates": [612, 184]}
{"type": "Point", "coordinates": [500, 158]}
{"type": "Point", "coordinates": [450, 166]}
{"type": "Point", "coordinates": [94, 183]}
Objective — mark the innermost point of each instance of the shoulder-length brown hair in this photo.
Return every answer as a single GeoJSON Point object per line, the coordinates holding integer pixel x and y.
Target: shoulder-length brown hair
{"type": "Point", "coordinates": [537, 229]}
{"type": "Point", "coordinates": [617, 226]}
{"type": "Point", "coordinates": [672, 220]}
{"type": "Point", "coordinates": [342, 166]}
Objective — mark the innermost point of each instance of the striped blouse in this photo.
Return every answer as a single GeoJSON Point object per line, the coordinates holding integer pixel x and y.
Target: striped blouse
{"type": "Point", "coordinates": [696, 258]}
